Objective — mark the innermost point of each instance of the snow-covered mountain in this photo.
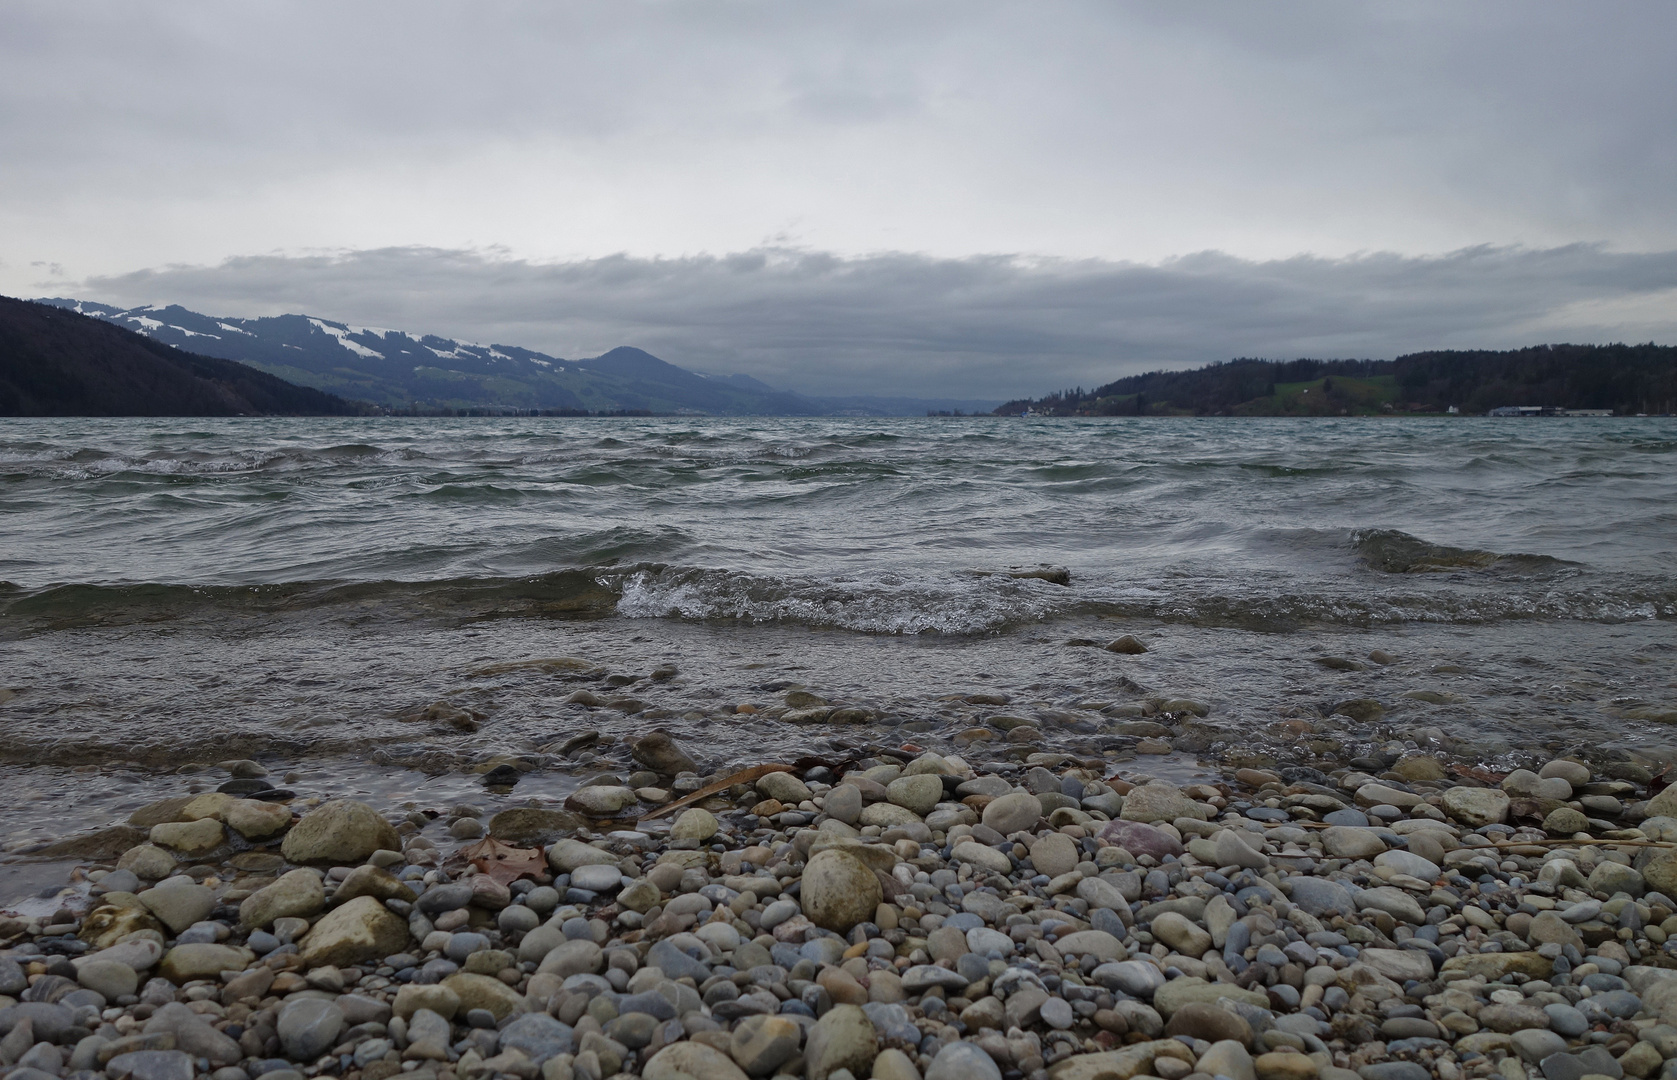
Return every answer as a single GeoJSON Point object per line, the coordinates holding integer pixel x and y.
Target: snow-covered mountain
{"type": "Point", "coordinates": [402, 369]}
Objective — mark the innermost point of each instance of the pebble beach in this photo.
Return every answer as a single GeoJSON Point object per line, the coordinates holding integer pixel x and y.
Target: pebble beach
{"type": "Point", "coordinates": [900, 914]}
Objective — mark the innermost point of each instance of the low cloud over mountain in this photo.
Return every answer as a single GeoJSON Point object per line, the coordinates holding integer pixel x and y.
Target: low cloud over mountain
{"type": "Point", "coordinates": [976, 327]}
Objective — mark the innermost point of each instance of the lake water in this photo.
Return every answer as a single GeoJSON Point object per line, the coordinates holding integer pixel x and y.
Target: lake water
{"type": "Point", "coordinates": [299, 591]}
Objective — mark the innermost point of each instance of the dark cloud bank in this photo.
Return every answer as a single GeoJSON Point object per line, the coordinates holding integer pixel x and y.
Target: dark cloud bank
{"type": "Point", "coordinates": [983, 326]}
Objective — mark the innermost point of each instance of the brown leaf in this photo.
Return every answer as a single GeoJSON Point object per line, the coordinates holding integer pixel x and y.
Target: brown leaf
{"type": "Point", "coordinates": [503, 862]}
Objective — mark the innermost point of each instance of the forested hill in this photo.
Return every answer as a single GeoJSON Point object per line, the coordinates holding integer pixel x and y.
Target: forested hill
{"type": "Point", "coordinates": [55, 362]}
{"type": "Point", "coordinates": [1628, 379]}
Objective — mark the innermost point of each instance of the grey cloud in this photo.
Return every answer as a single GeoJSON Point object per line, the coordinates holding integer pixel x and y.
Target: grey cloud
{"type": "Point", "coordinates": [981, 326]}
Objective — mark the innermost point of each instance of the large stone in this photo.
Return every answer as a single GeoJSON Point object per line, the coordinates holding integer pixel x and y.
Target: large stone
{"type": "Point", "coordinates": [844, 803]}
{"type": "Point", "coordinates": [1180, 991]}
{"type": "Point", "coordinates": [193, 1034]}
{"type": "Point", "coordinates": [254, 819]}
{"type": "Point", "coordinates": [1564, 821]}
{"type": "Point", "coordinates": [784, 787]}
{"type": "Point", "coordinates": [691, 1061]}
{"type": "Point", "coordinates": [342, 832]}
{"type": "Point", "coordinates": [189, 837]}
{"type": "Point", "coordinates": [601, 800]}
{"type": "Point", "coordinates": [841, 1039]}
{"type": "Point", "coordinates": [1140, 839]}
{"type": "Point", "coordinates": [761, 1044]}
{"type": "Point", "coordinates": [1383, 795]}
{"type": "Point", "coordinates": [140, 954]}
{"type": "Point", "coordinates": [298, 894]}
{"type": "Point", "coordinates": [433, 996]}
{"type": "Point", "coordinates": [1181, 934]}
{"type": "Point", "coordinates": [1227, 1058]}
{"type": "Point", "coordinates": [369, 880]}
{"type": "Point", "coordinates": [658, 752]}
{"type": "Point", "coordinates": [1547, 927]}
{"type": "Point", "coordinates": [1159, 801]}
{"type": "Point", "coordinates": [538, 1037]}
{"type": "Point", "coordinates": [878, 856]}
{"type": "Point", "coordinates": [576, 957]}
{"type": "Point", "coordinates": [1494, 966]}
{"type": "Point", "coordinates": [150, 1065]}
{"type": "Point", "coordinates": [566, 855]}
{"type": "Point", "coordinates": [1476, 807]}
{"type": "Point", "coordinates": [1231, 850]}
{"type": "Point", "coordinates": [1664, 804]}
{"type": "Point", "coordinates": [101, 844]}
{"type": "Point", "coordinates": [109, 977]}
{"type": "Point", "coordinates": [1279, 1065]}
{"type": "Point", "coordinates": [1131, 1061]}
{"type": "Point", "coordinates": [1611, 877]}
{"type": "Point", "coordinates": [1097, 943]}
{"type": "Point", "coordinates": [1137, 978]}
{"type": "Point", "coordinates": [1514, 1017]}
{"type": "Point", "coordinates": [308, 1027]}
{"type": "Point", "coordinates": [1012, 813]}
{"type": "Point", "coordinates": [1575, 773]}
{"type": "Point", "coordinates": [971, 851]}
{"type": "Point", "coordinates": [839, 891]}
{"type": "Point", "coordinates": [893, 1064]}
{"type": "Point", "coordinates": [918, 794]}
{"type": "Point", "coordinates": [963, 1061]}
{"type": "Point", "coordinates": [179, 902]}
{"type": "Point", "coordinates": [1405, 862]}
{"type": "Point", "coordinates": [1394, 902]}
{"type": "Point", "coordinates": [1351, 842]}
{"type": "Point", "coordinates": [1399, 964]}
{"type": "Point", "coordinates": [1055, 854]}
{"type": "Point", "coordinates": [1660, 872]}
{"type": "Point", "coordinates": [360, 930]}
{"type": "Point", "coordinates": [694, 823]}
{"type": "Point", "coordinates": [183, 963]}
{"type": "Point", "coordinates": [525, 826]}
{"type": "Point", "coordinates": [1321, 897]}
{"type": "Point", "coordinates": [1203, 1020]}
{"type": "Point", "coordinates": [148, 862]}
{"type": "Point", "coordinates": [485, 992]}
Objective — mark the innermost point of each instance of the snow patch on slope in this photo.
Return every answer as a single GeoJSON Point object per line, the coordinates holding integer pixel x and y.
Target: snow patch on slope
{"type": "Point", "coordinates": [342, 334]}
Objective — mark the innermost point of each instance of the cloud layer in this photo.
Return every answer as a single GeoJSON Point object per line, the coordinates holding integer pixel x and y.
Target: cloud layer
{"type": "Point", "coordinates": [142, 133]}
{"type": "Point", "coordinates": [971, 327]}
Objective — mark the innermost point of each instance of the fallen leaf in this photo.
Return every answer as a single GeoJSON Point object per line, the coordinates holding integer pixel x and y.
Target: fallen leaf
{"type": "Point", "coordinates": [503, 862]}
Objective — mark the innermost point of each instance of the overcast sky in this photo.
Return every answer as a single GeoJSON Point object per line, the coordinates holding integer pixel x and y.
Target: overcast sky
{"type": "Point", "coordinates": [965, 199]}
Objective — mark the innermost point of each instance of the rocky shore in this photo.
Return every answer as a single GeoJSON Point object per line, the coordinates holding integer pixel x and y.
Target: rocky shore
{"type": "Point", "coordinates": [902, 916]}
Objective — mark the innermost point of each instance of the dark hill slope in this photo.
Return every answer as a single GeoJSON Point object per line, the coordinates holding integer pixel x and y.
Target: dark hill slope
{"type": "Point", "coordinates": [55, 362]}
{"type": "Point", "coordinates": [1627, 379]}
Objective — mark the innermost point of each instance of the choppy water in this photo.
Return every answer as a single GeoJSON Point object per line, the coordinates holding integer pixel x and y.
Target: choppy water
{"type": "Point", "coordinates": [189, 590]}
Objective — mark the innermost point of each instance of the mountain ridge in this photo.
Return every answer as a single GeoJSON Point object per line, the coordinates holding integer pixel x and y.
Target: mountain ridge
{"type": "Point", "coordinates": [1626, 379]}
{"type": "Point", "coordinates": [405, 371]}
{"type": "Point", "coordinates": [55, 362]}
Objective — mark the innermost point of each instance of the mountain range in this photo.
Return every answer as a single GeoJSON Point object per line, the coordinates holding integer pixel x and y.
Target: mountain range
{"type": "Point", "coordinates": [406, 371]}
{"type": "Point", "coordinates": [57, 363]}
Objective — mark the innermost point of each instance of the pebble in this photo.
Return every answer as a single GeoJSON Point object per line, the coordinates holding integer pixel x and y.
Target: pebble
{"type": "Point", "coordinates": [1264, 929]}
